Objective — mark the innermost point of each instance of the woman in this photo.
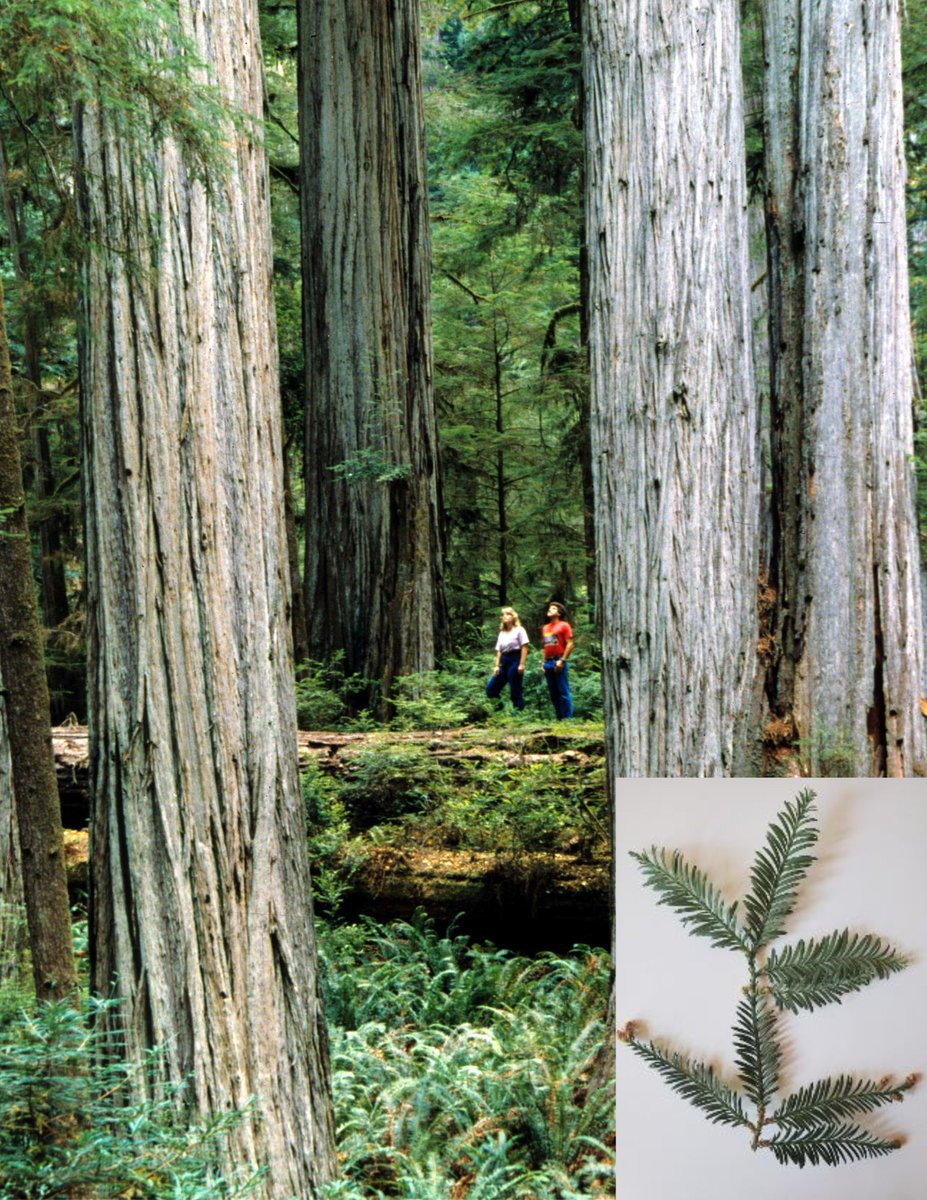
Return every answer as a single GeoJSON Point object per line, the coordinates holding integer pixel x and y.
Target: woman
{"type": "Point", "coordinates": [511, 653]}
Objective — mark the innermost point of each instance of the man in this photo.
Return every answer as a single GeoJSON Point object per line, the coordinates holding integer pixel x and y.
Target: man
{"type": "Point", "coordinates": [557, 639]}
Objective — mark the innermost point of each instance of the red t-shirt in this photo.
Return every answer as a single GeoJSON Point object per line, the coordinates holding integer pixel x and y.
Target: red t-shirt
{"type": "Point", "coordinates": [555, 637]}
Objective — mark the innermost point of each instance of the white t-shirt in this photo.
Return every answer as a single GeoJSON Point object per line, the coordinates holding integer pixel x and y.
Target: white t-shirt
{"type": "Point", "coordinates": [511, 639]}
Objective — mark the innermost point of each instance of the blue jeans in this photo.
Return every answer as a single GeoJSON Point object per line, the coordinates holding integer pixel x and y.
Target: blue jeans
{"type": "Point", "coordinates": [508, 674]}
{"type": "Point", "coordinates": [558, 684]}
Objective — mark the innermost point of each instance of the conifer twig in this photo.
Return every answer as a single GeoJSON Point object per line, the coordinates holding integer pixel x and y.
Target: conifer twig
{"type": "Point", "coordinates": [813, 1124]}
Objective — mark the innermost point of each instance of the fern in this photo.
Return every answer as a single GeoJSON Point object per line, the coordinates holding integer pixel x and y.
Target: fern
{"type": "Point", "coordinates": [691, 894]}
{"type": "Point", "coordinates": [810, 974]}
{"type": "Point", "coordinates": [811, 1125]}
{"type": "Point", "coordinates": [779, 868]}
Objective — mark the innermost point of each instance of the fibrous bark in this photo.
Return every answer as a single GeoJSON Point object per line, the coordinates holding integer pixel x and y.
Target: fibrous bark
{"type": "Point", "coordinates": [849, 670]}
{"type": "Point", "coordinates": [202, 921]}
{"type": "Point", "coordinates": [28, 751]}
{"type": "Point", "coordinates": [11, 878]}
{"type": "Point", "coordinates": [674, 426]}
{"type": "Point", "coordinates": [374, 561]}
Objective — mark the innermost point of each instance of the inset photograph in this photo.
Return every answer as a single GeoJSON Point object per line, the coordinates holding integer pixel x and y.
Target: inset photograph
{"type": "Point", "coordinates": [770, 989]}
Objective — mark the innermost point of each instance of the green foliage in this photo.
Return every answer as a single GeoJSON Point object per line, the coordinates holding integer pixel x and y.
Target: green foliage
{"type": "Point", "coordinates": [389, 782]}
{"type": "Point", "coordinates": [371, 464]}
{"type": "Point", "coordinates": [134, 59]}
{"type": "Point", "coordinates": [810, 974]}
{"type": "Point", "coordinates": [455, 694]}
{"type": "Point", "coordinates": [70, 1122]}
{"type": "Point", "coordinates": [690, 892]}
{"type": "Point", "coordinates": [505, 154]}
{"type": "Point", "coordinates": [334, 857]}
{"type": "Point", "coordinates": [810, 1125]}
{"type": "Point", "coordinates": [456, 1067]}
{"type": "Point", "coordinates": [324, 695]}
{"type": "Point", "coordinates": [779, 869]}
{"type": "Point", "coordinates": [697, 1083]}
{"type": "Point", "coordinates": [758, 1054]}
{"type": "Point", "coordinates": [832, 1142]}
{"type": "Point", "coordinates": [831, 1099]}
{"type": "Point", "coordinates": [443, 699]}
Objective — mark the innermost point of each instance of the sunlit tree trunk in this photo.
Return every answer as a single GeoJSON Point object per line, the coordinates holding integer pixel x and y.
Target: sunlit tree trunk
{"type": "Point", "coordinates": [849, 671]}
{"type": "Point", "coordinates": [374, 560]}
{"type": "Point", "coordinates": [673, 420]}
{"type": "Point", "coordinates": [202, 921]}
{"type": "Point", "coordinates": [27, 724]}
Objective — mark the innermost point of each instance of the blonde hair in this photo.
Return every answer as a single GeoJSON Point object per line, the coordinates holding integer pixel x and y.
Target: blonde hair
{"type": "Point", "coordinates": [515, 620]}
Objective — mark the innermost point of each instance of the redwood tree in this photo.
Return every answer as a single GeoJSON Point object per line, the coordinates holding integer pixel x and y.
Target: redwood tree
{"type": "Point", "coordinates": [27, 724]}
{"type": "Point", "coordinates": [202, 921]}
{"type": "Point", "coordinates": [848, 673]}
{"type": "Point", "coordinates": [374, 564]}
{"type": "Point", "coordinates": [673, 420]}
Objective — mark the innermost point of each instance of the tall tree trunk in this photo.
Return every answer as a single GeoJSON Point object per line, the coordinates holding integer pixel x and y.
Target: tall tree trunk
{"type": "Point", "coordinates": [299, 628]}
{"type": "Point", "coordinates": [374, 557]}
{"type": "Point", "coordinates": [845, 559]}
{"type": "Point", "coordinates": [12, 942]}
{"type": "Point", "coordinates": [587, 476]}
{"type": "Point", "coordinates": [25, 694]}
{"type": "Point", "coordinates": [49, 528]}
{"type": "Point", "coordinates": [202, 920]}
{"type": "Point", "coordinates": [673, 422]}
{"type": "Point", "coordinates": [502, 508]}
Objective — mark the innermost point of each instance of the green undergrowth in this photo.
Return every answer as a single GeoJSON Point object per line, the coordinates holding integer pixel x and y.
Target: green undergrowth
{"type": "Point", "coordinates": [72, 1123]}
{"type": "Point", "coordinates": [458, 1070]}
{"type": "Point", "coordinates": [449, 698]}
{"type": "Point", "coordinates": [511, 805]}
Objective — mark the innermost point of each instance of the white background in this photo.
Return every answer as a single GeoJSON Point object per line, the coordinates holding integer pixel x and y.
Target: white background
{"type": "Point", "coordinates": [871, 876]}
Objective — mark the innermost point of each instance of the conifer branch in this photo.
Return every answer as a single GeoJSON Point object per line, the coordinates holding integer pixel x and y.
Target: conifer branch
{"type": "Point", "coordinates": [758, 1054]}
{"type": "Point", "coordinates": [831, 1100]}
{"type": "Point", "coordinates": [779, 868]}
{"type": "Point", "coordinates": [812, 1124]}
{"type": "Point", "coordinates": [834, 1143]}
{"type": "Point", "coordinates": [694, 1081]}
{"type": "Point", "coordinates": [691, 894]}
{"type": "Point", "coordinates": [821, 971]}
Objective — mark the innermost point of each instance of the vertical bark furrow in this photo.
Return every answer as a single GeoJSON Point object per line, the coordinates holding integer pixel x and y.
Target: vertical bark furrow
{"type": "Point", "coordinates": [845, 554]}
{"type": "Point", "coordinates": [374, 573]}
{"type": "Point", "coordinates": [199, 867]}
{"type": "Point", "coordinates": [672, 383]}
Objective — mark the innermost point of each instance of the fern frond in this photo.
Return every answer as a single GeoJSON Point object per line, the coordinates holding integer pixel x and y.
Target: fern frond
{"type": "Point", "coordinates": [694, 1081]}
{"type": "Point", "coordinates": [821, 970]}
{"type": "Point", "coordinates": [758, 1054]}
{"type": "Point", "coordinates": [830, 1100]}
{"type": "Point", "coordinates": [834, 1143]}
{"type": "Point", "coordinates": [687, 890]}
{"type": "Point", "coordinates": [779, 868]}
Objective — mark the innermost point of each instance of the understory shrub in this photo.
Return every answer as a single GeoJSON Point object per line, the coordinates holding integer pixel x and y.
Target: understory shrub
{"type": "Point", "coordinates": [388, 782]}
{"type": "Point", "coordinates": [455, 695]}
{"type": "Point", "coordinates": [457, 1070]}
{"type": "Point", "coordinates": [523, 808]}
{"type": "Point", "coordinates": [71, 1125]}
{"type": "Point", "coordinates": [452, 696]}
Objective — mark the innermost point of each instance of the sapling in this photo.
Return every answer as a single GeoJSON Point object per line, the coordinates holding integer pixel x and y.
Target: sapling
{"type": "Point", "coordinates": [816, 1123]}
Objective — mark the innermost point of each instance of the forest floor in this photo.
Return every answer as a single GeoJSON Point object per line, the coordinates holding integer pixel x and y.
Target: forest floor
{"type": "Point", "coordinates": [501, 828]}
